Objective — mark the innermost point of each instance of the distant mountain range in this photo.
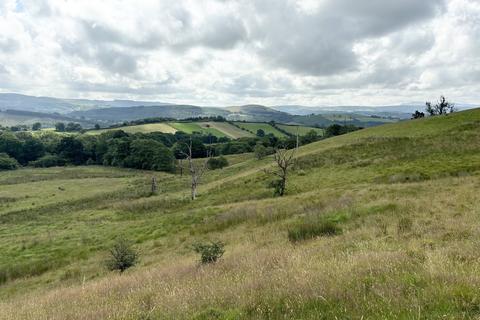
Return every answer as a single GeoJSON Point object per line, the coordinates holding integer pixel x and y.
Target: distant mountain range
{"type": "Point", "coordinates": [23, 108]}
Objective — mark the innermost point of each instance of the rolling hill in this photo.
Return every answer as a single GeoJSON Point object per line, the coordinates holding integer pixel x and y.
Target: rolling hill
{"type": "Point", "coordinates": [389, 217]}
{"type": "Point", "coordinates": [233, 130]}
{"type": "Point", "coordinates": [107, 112]}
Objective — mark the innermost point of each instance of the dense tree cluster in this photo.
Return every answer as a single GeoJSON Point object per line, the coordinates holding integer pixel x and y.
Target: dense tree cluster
{"type": "Point", "coordinates": [148, 151]}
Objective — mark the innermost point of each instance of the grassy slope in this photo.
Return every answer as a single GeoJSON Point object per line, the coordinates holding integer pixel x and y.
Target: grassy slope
{"type": "Point", "coordinates": [252, 127]}
{"type": "Point", "coordinates": [142, 128]}
{"type": "Point", "coordinates": [425, 172]}
{"type": "Point", "coordinates": [302, 130]}
{"type": "Point", "coordinates": [196, 127]}
{"type": "Point", "coordinates": [230, 130]}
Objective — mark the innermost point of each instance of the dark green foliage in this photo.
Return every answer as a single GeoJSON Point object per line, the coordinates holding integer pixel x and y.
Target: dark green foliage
{"type": "Point", "coordinates": [36, 126]}
{"type": "Point", "coordinates": [209, 252]}
{"type": "Point", "coordinates": [60, 127]}
{"type": "Point", "coordinates": [310, 137]}
{"type": "Point", "coordinates": [417, 115]}
{"type": "Point", "coordinates": [122, 256]}
{"type": "Point", "coordinates": [72, 150]}
{"type": "Point", "coordinates": [260, 151]}
{"type": "Point", "coordinates": [260, 133]}
{"type": "Point", "coordinates": [276, 185]}
{"type": "Point", "coordinates": [10, 144]}
{"type": "Point", "coordinates": [73, 127]}
{"type": "Point", "coordinates": [217, 163]}
{"type": "Point", "coordinates": [336, 130]}
{"type": "Point", "coordinates": [7, 163]}
{"type": "Point", "coordinates": [150, 155]}
{"type": "Point", "coordinates": [180, 149]}
{"type": "Point", "coordinates": [48, 161]}
{"type": "Point", "coordinates": [32, 149]}
{"type": "Point", "coordinates": [312, 228]}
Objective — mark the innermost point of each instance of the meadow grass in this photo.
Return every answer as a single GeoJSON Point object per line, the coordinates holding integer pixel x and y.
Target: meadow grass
{"type": "Point", "coordinates": [301, 130]}
{"type": "Point", "coordinates": [405, 197]}
{"type": "Point", "coordinates": [253, 127]}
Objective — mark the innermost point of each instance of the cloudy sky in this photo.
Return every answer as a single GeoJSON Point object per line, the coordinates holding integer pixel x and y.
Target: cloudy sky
{"type": "Point", "coordinates": [229, 52]}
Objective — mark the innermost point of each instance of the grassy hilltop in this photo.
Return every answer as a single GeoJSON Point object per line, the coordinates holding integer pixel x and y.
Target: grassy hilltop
{"type": "Point", "coordinates": [403, 199]}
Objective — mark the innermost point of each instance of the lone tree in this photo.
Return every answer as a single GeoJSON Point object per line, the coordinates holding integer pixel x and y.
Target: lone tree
{"type": "Point", "coordinates": [196, 169]}
{"type": "Point", "coordinates": [441, 107]}
{"type": "Point", "coordinates": [284, 159]}
{"type": "Point", "coordinates": [122, 256]}
{"type": "Point", "coordinates": [36, 126]}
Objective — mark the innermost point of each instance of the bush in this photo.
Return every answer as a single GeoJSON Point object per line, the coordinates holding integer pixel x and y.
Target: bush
{"type": "Point", "coordinates": [122, 256]}
{"type": "Point", "coordinates": [7, 163]}
{"type": "Point", "coordinates": [313, 229]}
{"type": "Point", "coordinates": [48, 161]}
{"type": "Point", "coordinates": [217, 163]}
{"type": "Point", "coordinates": [209, 252]}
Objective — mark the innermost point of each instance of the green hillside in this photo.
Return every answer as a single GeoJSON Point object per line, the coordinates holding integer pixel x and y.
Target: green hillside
{"type": "Point", "coordinates": [202, 127]}
{"type": "Point", "coordinates": [394, 210]}
{"type": "Point", "coordinates": [142, 128]}
{"type": "Point", "coordinates": [301, 130]}
{"type": "Point", "coordinates": [252, 127]}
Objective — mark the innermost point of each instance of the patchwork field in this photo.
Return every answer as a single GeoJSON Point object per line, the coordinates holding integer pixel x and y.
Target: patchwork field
{"type": "Point", "coordinates": [402, 198]}
{"type": "Point", "coordinates": [218, 129]}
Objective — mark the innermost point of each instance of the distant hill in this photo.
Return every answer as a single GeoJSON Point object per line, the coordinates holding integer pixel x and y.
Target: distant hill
{"type": "Point", "coordinates": [108, 112]}
{"type": "Point", "coordinates": [118, 114]}
{"type": "Point", "coordinates": [14, 101]}
{"type": "Point", "coordinates": [17, 117]}
{"type": "Point", "coordinates": [258, 113]}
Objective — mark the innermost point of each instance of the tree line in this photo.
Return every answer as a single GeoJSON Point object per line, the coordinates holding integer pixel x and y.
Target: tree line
{"type": "Point", "coordinates": [148, 151]}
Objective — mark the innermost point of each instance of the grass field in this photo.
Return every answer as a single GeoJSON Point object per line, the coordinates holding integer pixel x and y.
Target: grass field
{"type": "Point", "coordinates": [191, 127]}
{"type": "Point", "coordinates": [302, 130]}
{"type": "Point", "coordinates": [252, 127]}
{"type": "Point", "coordinates": [403, 197]}
{"type": "Point", "coordinates": [142, 128]}
{"type": "Point", "coordinates": [230, 130]}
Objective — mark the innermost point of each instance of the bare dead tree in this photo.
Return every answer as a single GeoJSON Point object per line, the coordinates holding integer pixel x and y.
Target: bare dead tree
{"type": "Point", "coordinates": [441, 107]}
{"type": "Point", "coordinates": [284, 160]}
{"type": "Point", "coordinates": [196, 170]}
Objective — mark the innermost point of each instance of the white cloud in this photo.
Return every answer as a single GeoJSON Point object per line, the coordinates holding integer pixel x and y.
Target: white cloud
{"type": "Point", "coordinates": [223, 52]}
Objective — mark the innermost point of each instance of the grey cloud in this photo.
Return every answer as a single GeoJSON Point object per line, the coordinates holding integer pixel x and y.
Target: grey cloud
{"type": "Point", "coordinates": [322, 43]}
{"type": "Point", "coordinates": [8, 45]}
{"type": "Point", "coordinates": [106, 56]}
{"type": "Point", "coordinates": [223, 33]}
{"type": "Point", "coordinates": [98, 33]}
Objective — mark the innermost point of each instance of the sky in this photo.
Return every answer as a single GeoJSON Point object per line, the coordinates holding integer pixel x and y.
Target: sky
{"type": "Point", "coordinates": [232, 52]}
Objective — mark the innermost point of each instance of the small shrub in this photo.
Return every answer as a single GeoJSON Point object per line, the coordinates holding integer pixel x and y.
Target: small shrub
{"type": "Point", "coordinates": [48, 161]}
{"type": "Point", "coordinates": [122, 256]}
{"type": "Point", "coordinates": [217, 163]}
{"type": "Point", "coordinates": [209, 252]}
{"type": "Point", "coordinates": [309, 230]}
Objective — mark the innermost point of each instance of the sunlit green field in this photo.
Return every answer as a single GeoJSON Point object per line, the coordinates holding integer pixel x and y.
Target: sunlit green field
{"type": "Point", "coordinates": [252, 127]}
{"type": "Point", "coordinates": [300, 130]}
{"type": "Point", "coordinates": [142, 128]}
{"type": "Point", "coordinates": [404, 197]}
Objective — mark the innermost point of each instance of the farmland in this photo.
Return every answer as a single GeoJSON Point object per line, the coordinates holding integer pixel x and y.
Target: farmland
{"type": "Point", "coordinates": [233, 130]}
